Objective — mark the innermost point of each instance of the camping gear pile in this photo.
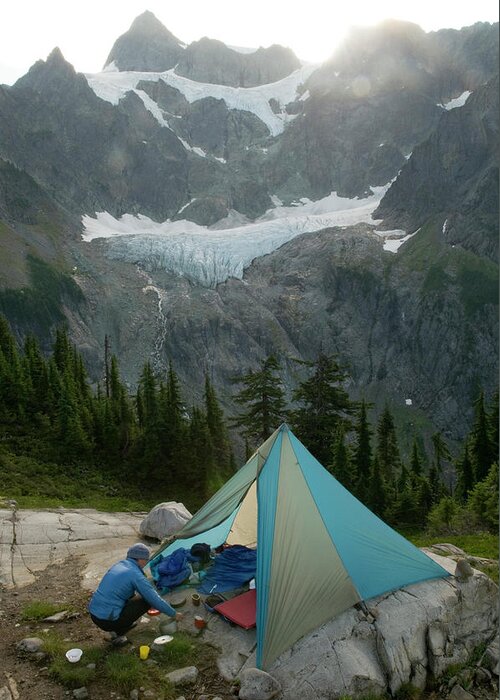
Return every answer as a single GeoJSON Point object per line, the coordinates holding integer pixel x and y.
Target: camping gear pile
{"type": "Point", "coordinates": [319, 551]}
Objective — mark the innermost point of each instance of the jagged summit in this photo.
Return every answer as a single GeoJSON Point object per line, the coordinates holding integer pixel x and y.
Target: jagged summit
{"type": "Point", "coordinates": [49, 74]}
{"type": "Point", "coordinates": [148, 23]}
{"type": "Point", "coordinates": [147, 46]}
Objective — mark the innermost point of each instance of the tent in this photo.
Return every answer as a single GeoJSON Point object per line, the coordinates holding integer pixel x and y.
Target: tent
{"type": "Point", "coordinates": [319, 551]}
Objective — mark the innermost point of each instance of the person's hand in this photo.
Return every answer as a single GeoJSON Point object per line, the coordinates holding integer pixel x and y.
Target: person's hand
{"type": "Point", "coordinates": [179, 616]}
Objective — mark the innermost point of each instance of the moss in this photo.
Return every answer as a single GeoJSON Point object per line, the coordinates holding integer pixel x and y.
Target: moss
{"type": "Point", "coordinates": [478, 280]}
{"type": "Point", "coordinates": [40, 306]}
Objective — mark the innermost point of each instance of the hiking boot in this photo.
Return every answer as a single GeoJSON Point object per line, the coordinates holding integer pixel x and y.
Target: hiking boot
{"type": "Point", "coordinates": [120, 641]}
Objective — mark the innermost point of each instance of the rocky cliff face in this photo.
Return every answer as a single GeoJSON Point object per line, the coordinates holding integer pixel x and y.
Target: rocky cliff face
{"type": "Point", "coordinates": [209, 61]}
{"type": "Point", "coordinates": [449, 173]}
{"type": "Point", "coordinates": [420, 324]}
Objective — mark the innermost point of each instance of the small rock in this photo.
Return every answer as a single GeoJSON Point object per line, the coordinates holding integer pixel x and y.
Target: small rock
{"type": "Point", "coordinates": [458, 693]}
{"type": "Point", "coordinates": [91, 666]}
{"type": "Point", "coordinates": [177, 600]}
{"type": "Point", "coordinates": [134, 694]}
{"type": "Point", "coordinates": [257, 685]}
{"type": "Point", "coordinates": [463, 570]}
{"type": "Point", "coordinates": [149, 694]}
{"type": "Point", "coordinates": [30, 645]}
{"type": "Point", "coordinates": [5, 693]}
{"type": "Point", "coordinates": [181, 697]}
{"type": "Point", "coordinates": [490, 657]}
{"type": "Point", "coordinates": [483, 675]}
{"type": "Point", "coordinates": [58, 617]}
{"type": "Point", "coordinates": [183, 676]}
{"type": "Point", "coordinates": [80, 693]}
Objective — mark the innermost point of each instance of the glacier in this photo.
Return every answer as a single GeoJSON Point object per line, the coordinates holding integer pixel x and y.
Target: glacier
{"type": "Point", "coordinates": [210, 255]}
{"type": "Point", "coordinates": [112, 85]}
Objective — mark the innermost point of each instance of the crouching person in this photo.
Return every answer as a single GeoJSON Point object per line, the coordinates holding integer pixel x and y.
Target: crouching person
{"type": "Point", "coordinates": [124, 594]}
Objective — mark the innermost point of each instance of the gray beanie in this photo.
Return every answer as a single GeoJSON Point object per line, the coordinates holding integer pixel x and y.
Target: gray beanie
{"type": "Point", "coordinates": [138, 551]}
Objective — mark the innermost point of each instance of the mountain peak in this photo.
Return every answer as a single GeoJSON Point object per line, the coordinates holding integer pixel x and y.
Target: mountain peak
{"type": "Point", "coordinates": [146, 46]}
{"type": "Point", "coordinates": [56, 56]}
{"type": "Point", "coordinates": [148, 23]}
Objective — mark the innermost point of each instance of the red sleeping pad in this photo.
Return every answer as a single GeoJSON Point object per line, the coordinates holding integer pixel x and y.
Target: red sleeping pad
{"type": "Point", "coordinates": [241, 610]}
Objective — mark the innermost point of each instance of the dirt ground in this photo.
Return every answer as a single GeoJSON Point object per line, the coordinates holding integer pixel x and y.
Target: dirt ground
{"type": "Point", "coordinates": [61, 584]}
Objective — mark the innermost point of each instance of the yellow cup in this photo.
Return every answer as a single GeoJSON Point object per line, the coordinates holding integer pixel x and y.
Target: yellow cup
{"type": "Point", "coordinates": [144, 651]}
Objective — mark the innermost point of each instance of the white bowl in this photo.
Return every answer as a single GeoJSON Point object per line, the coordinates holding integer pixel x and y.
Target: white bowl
{"type": "Point", "coordinates": [164, 639]}
{"type": "Point", "coordinates": [74, 655]}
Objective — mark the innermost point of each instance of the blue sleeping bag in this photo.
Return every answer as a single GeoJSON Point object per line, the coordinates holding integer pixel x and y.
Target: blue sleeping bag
{"type": "Point", "coordinates": [232, 568]}
{"type": "Point", "coordinates": [174, 569]}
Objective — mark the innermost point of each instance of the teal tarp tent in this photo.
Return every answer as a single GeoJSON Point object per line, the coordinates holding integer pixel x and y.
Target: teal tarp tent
{"type": "Point", "coordinates": [319, 550]}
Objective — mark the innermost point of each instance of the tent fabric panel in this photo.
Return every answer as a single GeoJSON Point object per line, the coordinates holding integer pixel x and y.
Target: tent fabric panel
{"type": "Point", "coordinates": [244, 527]}
{"type": "Point", "coordinates": [214, 537]}
{"type": "Point", "coordinates": [267, 488]}
{"type": "Point", "coordinates": [308, 582]}
{"type": "Point", "coordinates": [226, 499]}
{"type": "Point", "coordinates": [377, 558]}
{"type": "Point", "coordinates": [223, 502]}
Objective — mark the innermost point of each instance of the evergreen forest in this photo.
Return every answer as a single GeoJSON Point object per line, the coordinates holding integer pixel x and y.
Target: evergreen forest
{"type": "Point", "coordinates": [64, 441]}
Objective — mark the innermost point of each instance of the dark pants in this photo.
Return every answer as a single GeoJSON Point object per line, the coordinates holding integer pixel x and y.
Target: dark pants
{"type": "Point", "coordinates": [134, 608]}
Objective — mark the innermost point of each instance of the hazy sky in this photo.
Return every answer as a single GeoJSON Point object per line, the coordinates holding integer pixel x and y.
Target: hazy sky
{"type": "Point", "coordinates": [86, 31]}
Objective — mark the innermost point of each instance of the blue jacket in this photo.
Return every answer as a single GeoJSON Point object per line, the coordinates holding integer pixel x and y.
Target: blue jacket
{"type": "Point", "coordinates": [121, 582]}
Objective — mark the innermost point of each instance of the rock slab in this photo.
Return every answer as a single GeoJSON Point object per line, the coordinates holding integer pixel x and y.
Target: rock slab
{"type": "Point", "coordinates": [401, 637]}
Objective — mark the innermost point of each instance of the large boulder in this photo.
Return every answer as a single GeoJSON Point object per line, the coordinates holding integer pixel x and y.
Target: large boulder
{"type": "Point", "coordinates": [164, 520]}
{"type": "Point", "coordinates": [399, 637]}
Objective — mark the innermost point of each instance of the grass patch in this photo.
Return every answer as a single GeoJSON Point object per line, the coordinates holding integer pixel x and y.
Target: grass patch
{"type": "Point", "coordinates": [126, 672]}
{"type": "Point", "coordinates": [481, 544]}
{"type": "Point", "coordinates": [183, 650]}
{"type": "Point", "coordinates": [70, 675]}
{"type": "Point", "coordinates": [61, 670]}
{"type": "Point", "coordinates": [408, 692]}
{"type": "Point", "coordinates": [39, 609]}
{"type": "Point", "coordinates": [120, 670]}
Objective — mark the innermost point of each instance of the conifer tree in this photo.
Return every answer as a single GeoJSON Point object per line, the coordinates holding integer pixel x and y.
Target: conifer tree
{"type": "Point", "coordinates": [465, 475]}
{"type": "Point", "coordinates": [323, 404]}
{"type": "Point", "coordinates": [62, 350]}
{"type": "Point", "coordinates": [72, 442]}
{"type": "Point", "coordinates": [437, 486]}
{"type": "Point", "coordinates": [36, 370]}
{"type": "Point", "coordinates": [483, 500]}
{"type": "Point", "coordinates": [441, 450]}
{"type": "Point", "coordinates": [415, 460]}
{"type": "Point", "coordinates": [262, 397]}
{"type": "Point", "coordinates": [480, 444]}
{"type": "Point", "coordinates": [217, 429]}
{"type": "Point", "coordinates": [173, 425]}
{"type": "Point", "coordinates": [424, 498]}
{"type": "Point", "coordinates": [494, 424]}
{"type": "Point", "coordinates": [148, 401]}
{"type": "Point", "coordinates": [341, 466]}
{"type": "Point", "coordinates": [201, 467]}
{"type": "Point", "coordinates": [375, 492]}
{"type": "Point", "coordinates": [362, 454]}
{"type": "Point", "coordinates": [14, 388]}
{"type": "Point", "coordinates": [387, 450]}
